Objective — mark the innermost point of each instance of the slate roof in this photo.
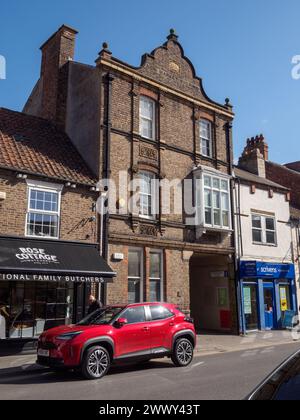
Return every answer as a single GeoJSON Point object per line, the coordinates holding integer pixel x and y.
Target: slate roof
{"type": "Point", "coordinates": [248, 176]}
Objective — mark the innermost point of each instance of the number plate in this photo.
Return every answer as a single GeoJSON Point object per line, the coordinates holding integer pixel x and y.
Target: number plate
{"type": "Point", "coordinates": [43, 353]}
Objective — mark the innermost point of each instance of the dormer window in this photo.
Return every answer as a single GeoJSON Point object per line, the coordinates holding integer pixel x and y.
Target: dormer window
{"type": "Point", "coordinates": [147, 118]}
{"type": "Point", "coordinates": [206, 138]}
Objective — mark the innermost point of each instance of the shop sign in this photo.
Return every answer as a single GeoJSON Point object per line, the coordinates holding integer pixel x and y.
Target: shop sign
{"type": "Point", "coordinates": [254, 269]}
{"type": "Point", "coordinates": [50, 278]}
{"type": "Point", "coordinates": [38, 255]}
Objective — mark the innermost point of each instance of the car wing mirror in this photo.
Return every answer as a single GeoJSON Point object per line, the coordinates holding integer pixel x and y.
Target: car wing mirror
{"type": "Point", "coordinates": [121, 322]}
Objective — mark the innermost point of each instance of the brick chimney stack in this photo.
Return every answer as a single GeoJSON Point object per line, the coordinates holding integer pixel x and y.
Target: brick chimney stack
{"type": "Point", "coordinates": [56, 51]}
{"type": "Point", "coordinates": [254, 156]}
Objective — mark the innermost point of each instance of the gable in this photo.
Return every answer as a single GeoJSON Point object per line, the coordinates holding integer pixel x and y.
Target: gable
{"type": "Point", "coordinates": [168, 65]}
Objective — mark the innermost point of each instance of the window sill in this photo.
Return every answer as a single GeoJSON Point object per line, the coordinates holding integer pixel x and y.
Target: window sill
{"type": "Point", "coordinates": [43, 237]}
{"type": "Point", "coordinates": [147, 218]}
{"type": "Point", "coordinates": [263, 244]}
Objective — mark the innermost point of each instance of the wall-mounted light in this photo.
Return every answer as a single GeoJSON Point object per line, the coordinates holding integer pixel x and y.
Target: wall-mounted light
{"type": "Point", "coordinates": [21, 176]}
{"type": "Point", "coordinates": [73, 186]}
{"type": "Point", "coordinates": [68, 184]}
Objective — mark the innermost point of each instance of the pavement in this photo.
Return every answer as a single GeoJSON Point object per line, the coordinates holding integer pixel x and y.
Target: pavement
{"type": "Point", "coordinates": [209, 343]}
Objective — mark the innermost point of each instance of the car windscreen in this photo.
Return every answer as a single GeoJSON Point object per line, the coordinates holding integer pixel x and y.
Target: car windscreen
{"type": "Point", "coordinates": [102, 316]}
{"type": "Point", "coordinates": [283, 384]}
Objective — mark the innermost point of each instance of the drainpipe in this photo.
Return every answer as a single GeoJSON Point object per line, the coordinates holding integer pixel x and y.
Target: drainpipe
{"type": "Point", "coordinates": [241, 248]}
{"type": "Point", "coordinates": [236, 273]}
{"type": "Point", "coordinates": [108, 79]}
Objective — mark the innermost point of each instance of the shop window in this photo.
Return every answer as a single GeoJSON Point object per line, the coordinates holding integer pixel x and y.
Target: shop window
{"type": "Point", "coordinates": [43, 212]}
{"type": "Point", "coordinates": [156, 276]}
{"type": "Point", "coordinates": [206, 138]}
{"type": "Point", "coordinates": [263, 229]}
{"type": "Point", "coordinates": [29, 308]}
{"type": "Point", "coordinates": [216, 202]}
{"type": "Point", "coordinates": [147, 118]}
{"type": "Point", "coordinates": [135, 272]}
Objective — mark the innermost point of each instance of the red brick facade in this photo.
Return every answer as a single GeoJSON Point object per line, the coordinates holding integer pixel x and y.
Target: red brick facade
{"type": "Point", "coordinates": [169, 78]}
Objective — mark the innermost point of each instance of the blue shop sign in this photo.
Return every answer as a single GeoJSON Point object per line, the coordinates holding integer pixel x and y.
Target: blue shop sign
{"type": "Point", "coordinates": [254, 269]}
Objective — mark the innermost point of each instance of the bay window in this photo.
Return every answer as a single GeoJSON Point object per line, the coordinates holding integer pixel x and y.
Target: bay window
{"type": "Point", "coordinates": [216, 201]}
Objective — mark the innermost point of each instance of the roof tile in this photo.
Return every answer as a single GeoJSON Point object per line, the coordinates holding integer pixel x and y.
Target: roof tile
{"type": "Point", "coordinates": [35, 145]}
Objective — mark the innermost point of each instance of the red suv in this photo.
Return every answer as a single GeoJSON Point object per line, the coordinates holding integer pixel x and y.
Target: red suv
{"type": "Point", "coordinates": [136, 332]}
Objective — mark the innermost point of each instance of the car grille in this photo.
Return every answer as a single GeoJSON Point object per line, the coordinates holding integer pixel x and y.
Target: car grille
{"type": "Point", "coordinates": [47, 345]}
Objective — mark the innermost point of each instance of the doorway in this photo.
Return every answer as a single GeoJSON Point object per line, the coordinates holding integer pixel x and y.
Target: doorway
{"type": "Point", "coordinates": [269, 306]}
{"type": "Point", "coordinates": [250, 306]}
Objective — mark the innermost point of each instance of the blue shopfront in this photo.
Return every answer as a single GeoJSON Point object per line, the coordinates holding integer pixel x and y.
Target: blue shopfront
{"type": "Point", "coordinates": [268, 294]}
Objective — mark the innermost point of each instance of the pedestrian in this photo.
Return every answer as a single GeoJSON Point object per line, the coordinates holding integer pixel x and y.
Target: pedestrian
{"type": "Point", "coordinates": [94, 304]}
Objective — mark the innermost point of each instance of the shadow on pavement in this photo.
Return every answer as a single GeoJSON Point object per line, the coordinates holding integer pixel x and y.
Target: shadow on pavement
{"type": "Point", "coordinates": [34, 374]}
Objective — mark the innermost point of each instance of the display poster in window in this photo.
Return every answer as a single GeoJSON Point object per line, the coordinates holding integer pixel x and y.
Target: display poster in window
{"type": "Point", "coordinates": [283, 299]}
{"type": "Point", "coordinates": [247, 301]}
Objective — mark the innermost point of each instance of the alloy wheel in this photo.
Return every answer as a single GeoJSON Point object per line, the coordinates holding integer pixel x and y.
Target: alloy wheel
{"type": "Point", "coordinates": [97, 363]}
{"type": "Point", "coordinates": [185, 352]}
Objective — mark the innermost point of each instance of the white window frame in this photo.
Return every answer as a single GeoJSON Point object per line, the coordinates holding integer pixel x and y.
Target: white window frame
{"type": "Point", "coordinates": [161, 279]}
{"type": "Point", "coordinates": [143, 117]}
{"type": "Point", "coordinates": [152, 196]}
{"type": "Point", "coordinates": [209, 139]}
{"type": "Point", "coordinates": [43, 187]}
{"type": "Point", "coordinates": [141, 278]}
{"type": "Point", "coordinates": [220, 191]}
{"type": "Point", "coordinates": [263, 229]}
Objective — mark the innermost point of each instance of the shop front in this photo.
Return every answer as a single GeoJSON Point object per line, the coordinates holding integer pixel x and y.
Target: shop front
{"type": "Point", "coordinates": [44, 284]}
{"type": "Point", "coordinates": [268, 294]}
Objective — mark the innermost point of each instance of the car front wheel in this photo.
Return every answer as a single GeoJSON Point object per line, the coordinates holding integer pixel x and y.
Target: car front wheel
{"type": "Point", "coordinates": [183, 352]}
{"type": "Point", "coordinates": [96, 363]}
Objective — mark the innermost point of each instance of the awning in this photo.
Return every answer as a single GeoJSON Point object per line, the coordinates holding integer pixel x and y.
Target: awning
{"type": "Point", "coordinates": [50, 260]}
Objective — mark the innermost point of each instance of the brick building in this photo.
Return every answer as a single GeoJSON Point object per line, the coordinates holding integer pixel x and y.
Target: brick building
{"type": "Point", "coordinates": [47, 213]}
{"type": "Point", "coordinates": [152, 122]}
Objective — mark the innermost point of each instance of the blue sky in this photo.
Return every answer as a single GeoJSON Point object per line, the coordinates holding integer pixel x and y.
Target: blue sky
{"type": "Point", "coordinates": [241, 49]}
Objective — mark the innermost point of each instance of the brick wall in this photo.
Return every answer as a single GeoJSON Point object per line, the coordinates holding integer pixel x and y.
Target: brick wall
{"type": "Point", "coordinates": [76, 211]}
{"type": "Point", "coordinates": [286, 177]}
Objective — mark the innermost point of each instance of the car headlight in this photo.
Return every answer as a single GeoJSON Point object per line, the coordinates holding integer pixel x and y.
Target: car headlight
{"type": "Point", "coordinates": [68, 336]}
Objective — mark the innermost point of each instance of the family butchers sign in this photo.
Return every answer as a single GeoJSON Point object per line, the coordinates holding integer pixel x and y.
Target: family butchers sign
{"type": "Point", "coordinates": [50, 278]}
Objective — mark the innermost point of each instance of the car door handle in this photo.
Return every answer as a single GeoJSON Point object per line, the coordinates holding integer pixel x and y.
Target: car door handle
{"type": "Point", "coordinates": [146, 328]}
{"type": "Point", "coordinates": [171, 324]}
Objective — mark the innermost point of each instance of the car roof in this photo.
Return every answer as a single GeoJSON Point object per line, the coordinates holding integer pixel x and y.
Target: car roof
{"type": "Point", "coordinates": [150, 304]}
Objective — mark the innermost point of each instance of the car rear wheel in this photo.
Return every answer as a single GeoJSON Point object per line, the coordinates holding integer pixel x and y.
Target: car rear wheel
{"type": "Point", "coordinates": [183, 352]}
{"type": "Point", "coordinates": [96, 363]}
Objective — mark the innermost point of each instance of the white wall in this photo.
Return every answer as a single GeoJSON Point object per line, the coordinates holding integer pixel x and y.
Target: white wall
{"type": "Point", "coordinates": [277, 205]}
